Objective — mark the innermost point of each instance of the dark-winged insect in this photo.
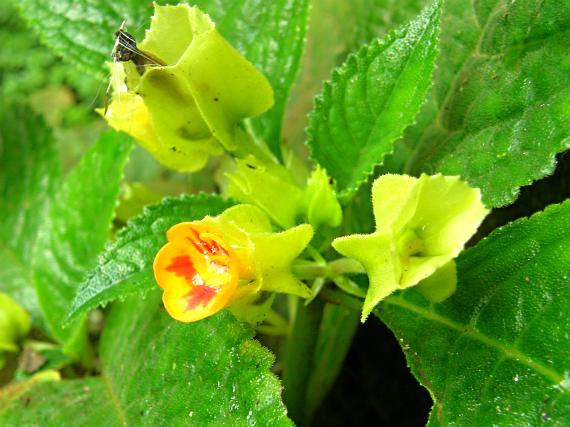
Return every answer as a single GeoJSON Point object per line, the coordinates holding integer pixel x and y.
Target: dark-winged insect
{"type": "Point", "coordinates": [125, 49]}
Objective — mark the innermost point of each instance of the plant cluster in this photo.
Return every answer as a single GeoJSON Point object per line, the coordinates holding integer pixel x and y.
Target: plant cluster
{"type": "Point", "coordinates": [137, 284]}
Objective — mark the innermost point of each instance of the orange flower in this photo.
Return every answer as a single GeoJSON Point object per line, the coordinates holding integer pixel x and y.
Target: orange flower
{"type": "Point", "coordinates": [209, 264]}
{"type": "Point", "coordinates": [198, 271]}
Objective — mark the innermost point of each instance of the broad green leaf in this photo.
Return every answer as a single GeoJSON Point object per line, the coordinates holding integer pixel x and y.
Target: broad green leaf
{"type": "Point", "coordinates": [375, 18]}
{"type": "Point", "coordinates": [29, 173]}
{"type": "Point", "coordinates": [501, 98]}
{"type": "Point", "coordinates": [270, 34]}
{"type": "Point", "coordinates": [371, 99]}
{"type": "Point", "coordinates": [75, 231]}
{"type": "Point", "coordinates": [55, 403]}
{"type": "Point", "coordinates": [337, 28]}
{"type": "Point", "coordinates": [82, 31]}
{"type": "Point", "coordinates": [497, 350]}
{"type": "Point", "coordinates": [126, 265]}
{"type": "Point", "coordinates": [157, 371]}
{"type": "Point", "coordinates": [27, 66]}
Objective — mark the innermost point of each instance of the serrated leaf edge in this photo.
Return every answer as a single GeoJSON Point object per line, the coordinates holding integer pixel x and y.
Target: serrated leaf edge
{"type": "Point", "coordinates": [104, 257]}
{"type": "Point", "coordinates": [326, 93]}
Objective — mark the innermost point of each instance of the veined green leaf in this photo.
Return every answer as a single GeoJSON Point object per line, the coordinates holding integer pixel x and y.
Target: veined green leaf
{"type": "Point", "coordinates": [82, 31]}
{"type": "Point", "coordinates": [54, 403]}
{"type": "Point", "coordinates": [206, 373]}
{"type": "Point", "coordinates": [371, 99]}
{"type": "Point", "coordinates": [75, 231]}
{"type": "Point", "coordinates": [29, 173]}
{"type": "Point", "coordinates": [497, 350]}
{"type": "Point", "coordinates": [375, 18]}
{"type": "Point", "coordinates": [501, 99]}
{"type": "Point", "coordinates": [126, 265]}
{"type": "Point", "coordinates": [337, 28]}
{"type": "Point", "coordinates": [270, 34]}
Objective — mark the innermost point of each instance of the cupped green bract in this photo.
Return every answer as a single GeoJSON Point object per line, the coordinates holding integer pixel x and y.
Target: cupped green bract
{"type": "Point", "coordinates": [321, 203]}
{"type": "Point", "coordinates": [187, 110]}
{"type": "Point", "coordinates": [421, 225]}
{"type": "Point", "coordinates": [14, 324]}
{"type": "Point", "coordinates": [269, 254]}
{"type": "Point", "coordinates": [273, 189]}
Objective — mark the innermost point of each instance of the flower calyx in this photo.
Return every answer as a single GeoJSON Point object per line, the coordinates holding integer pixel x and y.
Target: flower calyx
{"type": "Point", "coordinates": [189, 109]}
{"type": "Point", "coordinates": [422, 224]}
{"type": "Point", "coordinates": [208, 264]}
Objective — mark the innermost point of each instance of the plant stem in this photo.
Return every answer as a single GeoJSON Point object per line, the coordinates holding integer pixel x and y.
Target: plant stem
{"type": "Point", "coordinates": [341, 298]}
{"type": "Point", "coordinates": [336, 332]}
{"type": "Point", "coordinates": [345, 266]}
{"type": "Point", "coordinates": [298, 363]}
{"type": "Point", "coordinates": [305, 270]}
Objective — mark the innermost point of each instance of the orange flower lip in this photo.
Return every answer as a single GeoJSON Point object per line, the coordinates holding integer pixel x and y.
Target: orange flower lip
{"type": "Point", "coordinates": [198, 271]}
{"type": "Point", "coordinates": [182, 266]}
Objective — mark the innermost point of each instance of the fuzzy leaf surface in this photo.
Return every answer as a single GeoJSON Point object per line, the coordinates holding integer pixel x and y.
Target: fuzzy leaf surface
{"type": "Point", "coordinates": [215, 374]}
{"type": "Point", "coordinates": [29, 173]}
{"type": "Point", "coordinates": [76, 228]}
{"type": "Point", "coordinates": [338, 28]}
{"type": "Point", "coordinates": [497, 350]}
{"type": "Point", "coordinates": [499, 108]}
{"type": "Point", "coordinates": [371, 99]}
{"type": "Point", "coordinates": [126, 265]}
{"type": "Point", "coordinates": [375, 18]}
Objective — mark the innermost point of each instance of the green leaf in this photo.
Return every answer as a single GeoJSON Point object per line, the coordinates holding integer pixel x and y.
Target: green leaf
{"type": "Point", "coordinates": [375, 18]}
{"type": "Point", "coordinates": [29, 173]}
{"type": "Point", "coordinates": [76, 229]}
{"type": "Point", "coordinates": [126, 265]}
{"type": "Point", "coordinates": [27, 66]}
{"type": "Point", "coordinates": [269, 34]}
{"type": "Point", "coordinates": [80, 31]}
{"type": "Point", "coordinates": [371, 99]}
{"type": "Point", "coordinates": [497, 350]}
{"type": "Point", "coordinates": [501, 98]}
{"type": "Point", "coordinates": [337, 28]}
{"type": "Point", "coordinates": [55, 403]}
{"type": "Point", "coordinates": [206, 373]}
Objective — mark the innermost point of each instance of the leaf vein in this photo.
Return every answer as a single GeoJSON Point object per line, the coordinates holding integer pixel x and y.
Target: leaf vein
{"type": "Point", "coordinates": [509, 352]}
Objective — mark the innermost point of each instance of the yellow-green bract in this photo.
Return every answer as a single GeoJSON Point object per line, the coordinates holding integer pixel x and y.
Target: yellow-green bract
{"type": "Point", "coordinates": [14, 324]}
{"type": "Point", "coordinates": [270, 254]}
{"type": "Point", "coordinates": [421, 226]}
{"type": "Point", "coordinates": [189, 109]}
{"type": "Point", "coordinates": [274, 190]}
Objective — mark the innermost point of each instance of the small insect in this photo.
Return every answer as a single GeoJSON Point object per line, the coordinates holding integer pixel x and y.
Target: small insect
{"type": "Point", "coordinates": [124, 50]}
{"type": "Point", "coordinates": [125, 47]}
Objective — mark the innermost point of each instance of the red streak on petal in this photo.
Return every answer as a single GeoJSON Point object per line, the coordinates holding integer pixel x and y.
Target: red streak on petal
{"type": "Point", "coordinates": [207, 248]}
{"type": "Point", "coordinates": [215, 248]}
{"type": "Point", "coordinates": [199, 295]}
{"type": "Point", "coordinates": [182, 266]}
{"type": "Point", "coordinates": [197, 242]}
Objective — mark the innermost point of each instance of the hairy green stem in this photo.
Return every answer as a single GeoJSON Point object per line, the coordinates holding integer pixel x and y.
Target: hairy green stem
{"type": "Point", "coordinates": [306, 270]}
{"type": "Point", "coordinates": [341, 298]}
